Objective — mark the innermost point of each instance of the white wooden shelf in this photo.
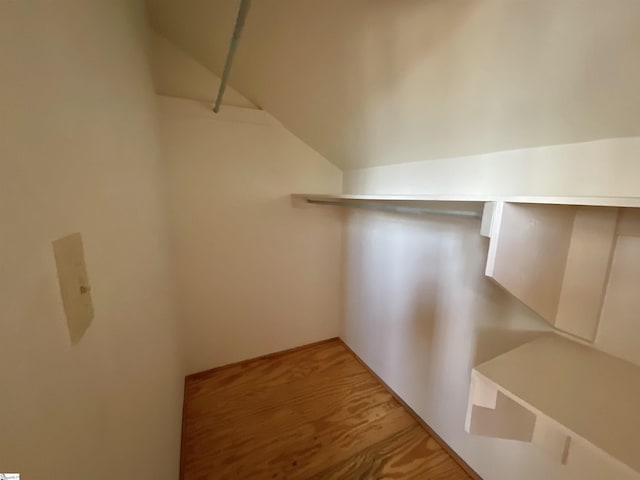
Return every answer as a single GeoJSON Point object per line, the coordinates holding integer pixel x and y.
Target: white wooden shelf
{"type": "Point", "coordinates": [560, 395]}
{"type": "Point", "coordinates": [575, 266]}
{"type": "Point", "coordinates": [397, 203]}
{"type": "Point", "coordinates": [410, 199]}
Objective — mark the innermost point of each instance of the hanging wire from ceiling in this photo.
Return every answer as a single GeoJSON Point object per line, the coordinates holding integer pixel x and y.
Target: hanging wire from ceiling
{"type": "Point", "coordinates": [240, 19]}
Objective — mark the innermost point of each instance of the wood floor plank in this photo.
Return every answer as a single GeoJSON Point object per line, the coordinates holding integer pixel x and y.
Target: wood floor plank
{"type": "Point", "coordinates": [311, 413]}
{"type": "Point", "coordinates": [408, 454]}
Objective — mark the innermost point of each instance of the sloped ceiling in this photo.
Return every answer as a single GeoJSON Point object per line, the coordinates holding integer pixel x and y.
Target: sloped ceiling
{"type": "Point", "coordinates": [373, 82]}
{"type": "Point", "coordinates": [176, 74]}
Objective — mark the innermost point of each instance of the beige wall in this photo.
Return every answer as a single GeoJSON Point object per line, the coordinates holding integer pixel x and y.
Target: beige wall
{"type": "Point", "coordinates": [420, 312]}
{"type": "Point", "coordinates": [609, 167]}
{"type": "Point", "coordinates": [78, 153]}
{"type": "Point", "coordinates": [254, 275]}
{"type": "Point", "coordinates": [177, 74]}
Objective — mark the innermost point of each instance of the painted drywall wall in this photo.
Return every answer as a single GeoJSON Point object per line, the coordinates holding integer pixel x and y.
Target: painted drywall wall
{"type": "Point", "coordinates": [392, 82]}
{"type": "Point", "coordinates": [609, 167]}
{"type": "Point", "coordinates": [79, 153]}
{"type": "Point", "coordinates": [177, 74]}
{"type": "Point", "coordinates": [254, 274]}
{"type": "Point", "coordinates": [420, 312]}
{"type": "Point", "coordinates": [438, 308]}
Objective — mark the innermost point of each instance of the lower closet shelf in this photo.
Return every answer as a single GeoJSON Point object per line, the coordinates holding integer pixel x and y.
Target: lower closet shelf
{"type": "Point", "coordinates": [559, 395]}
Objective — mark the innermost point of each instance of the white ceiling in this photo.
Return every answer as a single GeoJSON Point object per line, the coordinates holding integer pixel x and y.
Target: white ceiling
{"type": "Point", "coordinates": [372, 82]}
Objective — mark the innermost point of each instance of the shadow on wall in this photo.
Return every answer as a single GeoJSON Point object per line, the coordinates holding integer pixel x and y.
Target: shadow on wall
{"type": "Point", "coordinates": [419, 310]}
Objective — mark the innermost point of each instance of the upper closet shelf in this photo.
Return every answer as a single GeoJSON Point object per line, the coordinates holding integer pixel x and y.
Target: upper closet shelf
{"type": "Point", "coordinates": [560, 395]}
{"type": "Point", "coordinates": [465, 201]}
{"type": "Point", "coordinates": [398, 204]}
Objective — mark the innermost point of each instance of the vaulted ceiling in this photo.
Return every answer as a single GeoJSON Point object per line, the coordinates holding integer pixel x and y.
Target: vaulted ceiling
{"type": "Point", "coordinates": [372, 82]}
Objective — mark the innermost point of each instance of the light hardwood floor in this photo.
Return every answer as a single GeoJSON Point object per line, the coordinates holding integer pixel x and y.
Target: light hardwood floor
{"type": "Point", "coordinates": [313, 413]}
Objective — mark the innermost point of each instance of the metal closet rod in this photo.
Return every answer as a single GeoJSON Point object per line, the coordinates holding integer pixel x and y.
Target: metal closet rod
{"type": "Point", "coordinates": [242, 15]}
{"type": "Point", "coordinates": [399, 209]}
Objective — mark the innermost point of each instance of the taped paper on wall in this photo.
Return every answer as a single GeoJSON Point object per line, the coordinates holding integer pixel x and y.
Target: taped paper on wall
{"type": "Point", "coordinates": [74, 285]}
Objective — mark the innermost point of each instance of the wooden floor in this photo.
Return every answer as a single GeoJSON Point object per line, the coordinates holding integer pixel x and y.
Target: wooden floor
{"type": "Point", "coordinates": [314, 413]}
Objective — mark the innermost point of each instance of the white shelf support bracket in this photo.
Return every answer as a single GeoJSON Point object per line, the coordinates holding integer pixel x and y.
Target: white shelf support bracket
{"type": "Point", "coordinates": [491, 413]}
